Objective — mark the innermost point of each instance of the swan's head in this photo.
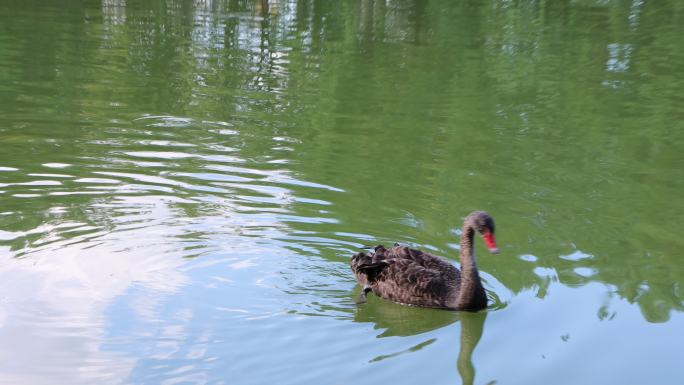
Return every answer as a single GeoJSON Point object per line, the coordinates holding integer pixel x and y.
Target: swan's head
{"type": "Point", "coordinates": [483, 223]}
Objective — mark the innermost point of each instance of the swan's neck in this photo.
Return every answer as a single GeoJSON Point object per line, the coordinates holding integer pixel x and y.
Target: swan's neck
{"type": "Point", "coordinates": [471, 294]}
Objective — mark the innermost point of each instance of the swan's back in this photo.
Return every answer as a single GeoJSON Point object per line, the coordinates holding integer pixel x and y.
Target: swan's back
{"type": "Point", "coordinates": [408, 276]}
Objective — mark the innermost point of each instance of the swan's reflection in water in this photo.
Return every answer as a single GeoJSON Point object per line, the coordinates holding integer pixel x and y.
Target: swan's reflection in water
{"type": "Point", "coordinates": [472, 325]}
{"type": "Point", "coordinates": [404, 321]}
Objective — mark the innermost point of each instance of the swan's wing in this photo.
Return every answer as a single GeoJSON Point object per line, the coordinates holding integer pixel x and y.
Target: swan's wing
{"type": "Point", "coordinates": [367, 267]}
{"type": "Point", "coordinates": [372, 269]}
{"type": "Point", "coordinates": [424, 259]}
{"type": "Point", "coordinates": [408, 282]}
{"type": "Point", "coordinates": [405, 252]}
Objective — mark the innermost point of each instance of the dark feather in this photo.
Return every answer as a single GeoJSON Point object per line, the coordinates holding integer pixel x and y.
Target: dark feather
{"type": "Point", "coordinates": [406, 275]}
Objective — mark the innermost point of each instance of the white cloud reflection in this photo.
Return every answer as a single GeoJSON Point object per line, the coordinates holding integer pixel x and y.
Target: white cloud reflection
{"type": "Point", "coordinates": [53, 321]}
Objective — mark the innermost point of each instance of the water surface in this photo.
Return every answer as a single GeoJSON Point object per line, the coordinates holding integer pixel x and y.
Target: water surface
{"type": "Point", "coordinates": [182, 184]}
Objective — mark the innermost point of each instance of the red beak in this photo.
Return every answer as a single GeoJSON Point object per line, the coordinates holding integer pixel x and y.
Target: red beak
{"type": "Point", "coordinates": [491, 242]}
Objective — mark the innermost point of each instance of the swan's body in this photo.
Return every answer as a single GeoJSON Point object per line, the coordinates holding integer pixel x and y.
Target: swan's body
{"type": "Point", "coordinates": [413, 277]}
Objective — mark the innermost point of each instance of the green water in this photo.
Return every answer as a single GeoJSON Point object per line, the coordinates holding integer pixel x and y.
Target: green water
{"type": "Point", "coordinates": [182, 184]}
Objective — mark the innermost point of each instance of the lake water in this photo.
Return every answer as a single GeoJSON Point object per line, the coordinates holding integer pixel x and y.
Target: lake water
{"type": "Point", "coordinates": [182, 184]}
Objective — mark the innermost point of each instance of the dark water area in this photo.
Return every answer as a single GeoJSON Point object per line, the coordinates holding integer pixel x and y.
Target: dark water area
{"type": "Point", "coordinates": [182, 184]}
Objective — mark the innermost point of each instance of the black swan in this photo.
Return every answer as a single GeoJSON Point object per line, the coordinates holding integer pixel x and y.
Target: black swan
{"type": "Point", "coordinates": [414, 277]}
